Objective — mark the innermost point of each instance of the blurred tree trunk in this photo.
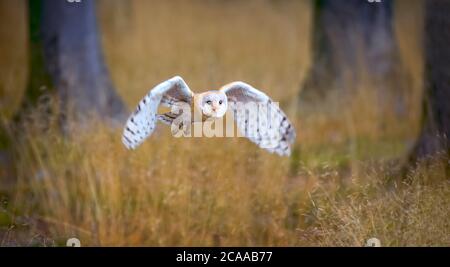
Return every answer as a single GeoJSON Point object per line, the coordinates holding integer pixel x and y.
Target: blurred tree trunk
{"type": "Point", "coordinates": [353, 43]}
{"type": "Point", "coordinates": [351, 38]}
{"type": "Point", "coordinates": [66, 54]}
{"type": "Point", "coordinates": [435, 136]}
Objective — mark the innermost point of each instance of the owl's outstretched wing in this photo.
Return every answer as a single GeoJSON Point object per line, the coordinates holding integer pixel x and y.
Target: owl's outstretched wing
{"type": "Point", "coordinates": [142, 121]}
{"type": "Point", "coordinates": [260, 119]}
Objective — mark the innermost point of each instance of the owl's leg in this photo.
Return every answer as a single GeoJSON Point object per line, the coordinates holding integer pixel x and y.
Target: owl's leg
{"type": "Point", "coordinates": [167, 118]}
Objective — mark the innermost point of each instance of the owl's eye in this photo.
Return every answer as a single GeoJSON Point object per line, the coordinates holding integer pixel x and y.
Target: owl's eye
{"type": "Point", "coordinates": [209, 102]}
{"type": "Point", "coordinates": [220, 102]}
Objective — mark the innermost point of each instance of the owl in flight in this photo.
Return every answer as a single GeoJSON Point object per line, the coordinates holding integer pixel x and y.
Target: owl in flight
{"type": "Point", "coordinates": [269, 128]}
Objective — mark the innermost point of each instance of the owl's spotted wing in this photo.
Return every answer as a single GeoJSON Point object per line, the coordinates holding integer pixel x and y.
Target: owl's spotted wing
{"type": "Point", "coordinates": [260, 119]}
{"type": "Point", "coordinates": [142, 121]}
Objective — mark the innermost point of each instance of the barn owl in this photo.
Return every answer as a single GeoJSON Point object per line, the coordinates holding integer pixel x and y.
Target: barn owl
{"type": "Point", "coordinates": [270, 130]}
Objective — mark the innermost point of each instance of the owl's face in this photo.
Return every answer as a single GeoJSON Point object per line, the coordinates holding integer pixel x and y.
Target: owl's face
{"type": "Point", "coordinates": [214, 104]}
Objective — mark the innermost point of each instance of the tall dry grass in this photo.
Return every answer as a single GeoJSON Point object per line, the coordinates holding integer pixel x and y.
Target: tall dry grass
{"type": "Point", "coordinates": [224, 191]}
{"type": "Point", "coordinates": [198, 192]}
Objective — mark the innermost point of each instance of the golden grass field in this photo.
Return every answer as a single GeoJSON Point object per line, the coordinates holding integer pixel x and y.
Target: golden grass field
{"type": "Point", "coordinates": [223, 191]}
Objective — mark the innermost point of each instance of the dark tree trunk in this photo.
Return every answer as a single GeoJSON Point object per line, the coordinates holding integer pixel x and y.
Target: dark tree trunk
{"type": "Point", "coordinates": [65, 54]}
{"type": "Point", "coordinates": [351, 38]}
{"type": "Point", "coordinates": [434, 138]}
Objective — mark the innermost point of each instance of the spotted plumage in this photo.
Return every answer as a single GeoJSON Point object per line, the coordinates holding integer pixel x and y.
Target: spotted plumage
{"type": "Point", "coordinates": [257, 117]}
